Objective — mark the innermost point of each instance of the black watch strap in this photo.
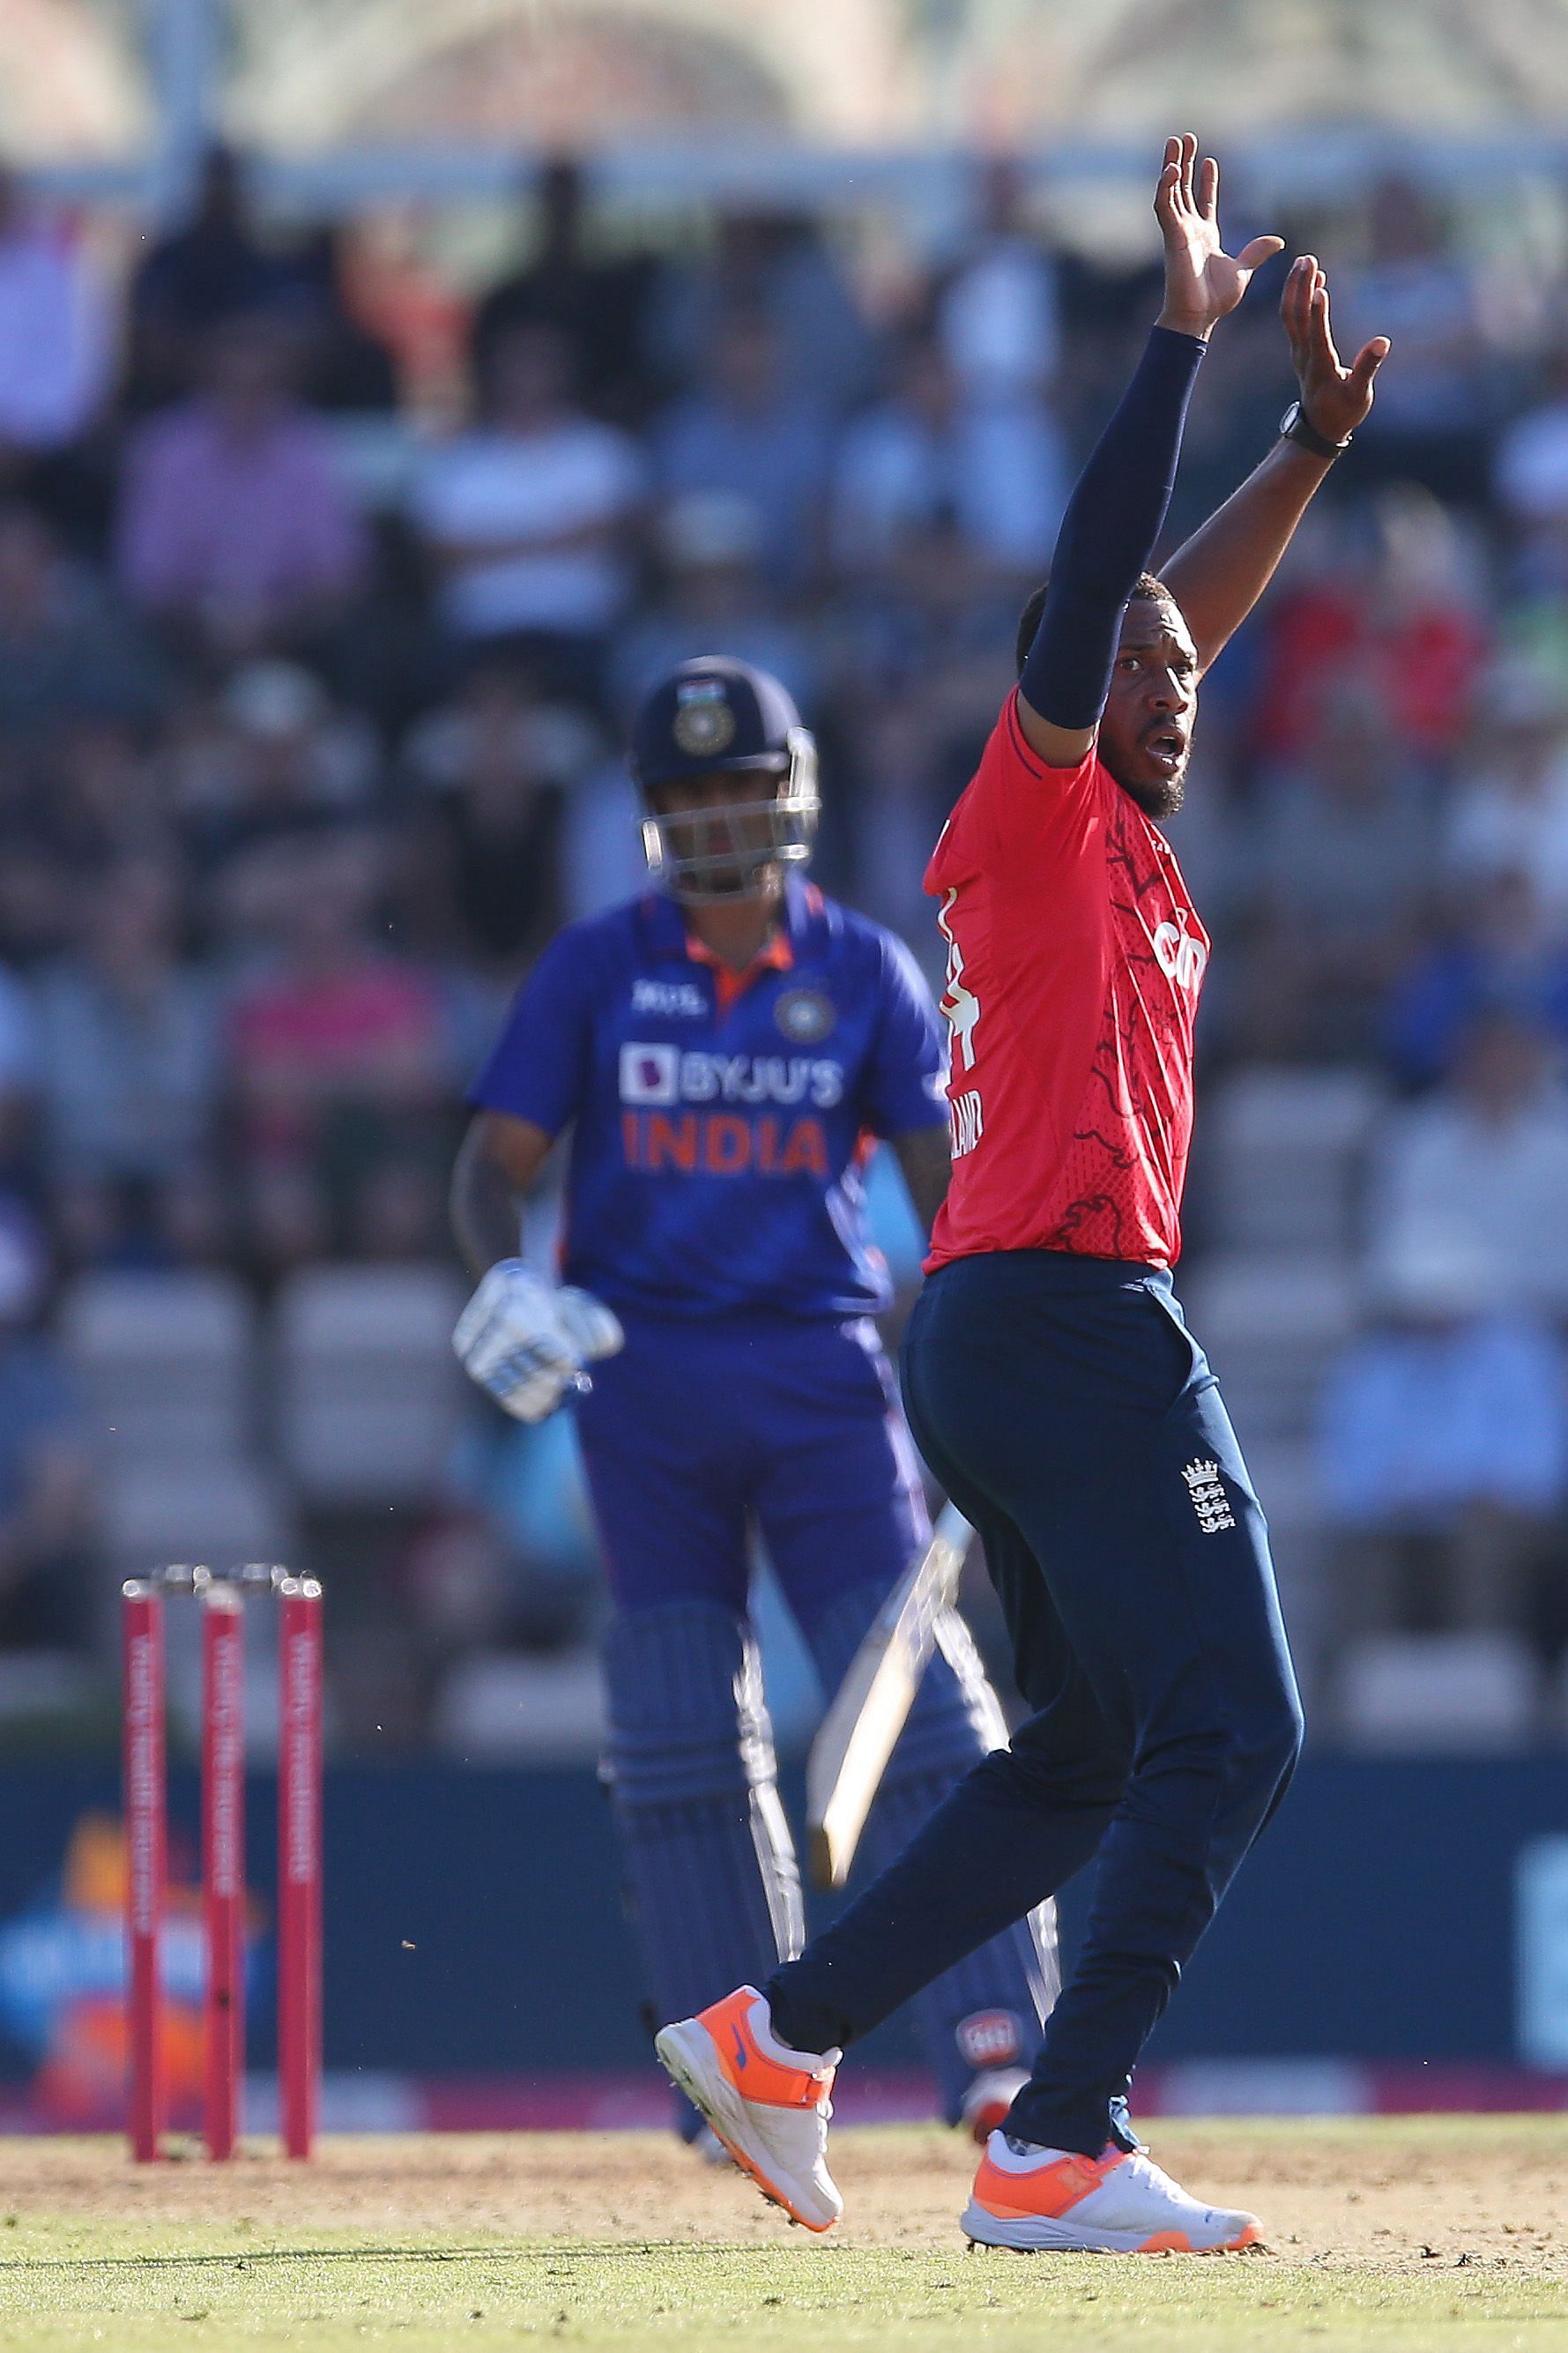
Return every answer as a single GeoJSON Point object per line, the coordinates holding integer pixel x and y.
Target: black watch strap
{"type": "Point", "coordinates": [1294, 427]}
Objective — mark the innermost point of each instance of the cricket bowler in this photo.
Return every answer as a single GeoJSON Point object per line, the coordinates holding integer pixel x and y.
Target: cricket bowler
{"type": "Point", "coordinates": [1049, 1378]}
{"type": "Point", "coordinates": [724, 1050]}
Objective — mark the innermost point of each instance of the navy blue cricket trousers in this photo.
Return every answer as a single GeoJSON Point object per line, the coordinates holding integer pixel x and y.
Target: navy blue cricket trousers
{"type": "Point", "coordinates": [1069, 1413]}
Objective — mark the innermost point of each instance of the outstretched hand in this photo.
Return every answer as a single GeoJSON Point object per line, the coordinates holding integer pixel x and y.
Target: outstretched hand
{"type": "Point", "coordinates": [1334, 399]}
{"type": "Point", "coordinates": [1202, 280]}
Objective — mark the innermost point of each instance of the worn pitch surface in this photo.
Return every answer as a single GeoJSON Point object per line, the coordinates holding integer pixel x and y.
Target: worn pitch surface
{"type": "Point", "coordinates": [1447, 2231]}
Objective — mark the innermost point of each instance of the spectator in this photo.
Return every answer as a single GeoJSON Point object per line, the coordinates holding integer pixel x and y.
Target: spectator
{"type": "Point", "coordinates": [105, 798]}
{"type": "Point", "coordinates": [483, 881]}
{"type": "Point", "coordinates": [1443, 1447]}
{"type": "Point", "coordinates": [777, 267]}
{"type": "Point", "coordinates": [1398, 605]}
{"type": "Point", "coordinates": [64, 647]}
{"type": "Point", "coordinates": [1416, 288]}
{"type": "Point", "coordinates": [1529, 477]}
{"type": "Point", "coordinates": [1496, 953]}
{"type": "Point", "coordinates": [130, 1077]}
{"type": "Point", "coordinates": [997, 313]}
{"type": "Point", "coordinates": [996, 466]}
{"type": "Point", "coordinates": [54, 336]}
{"type": "Point", "coordinates": [338, 1059]}
{"type": "Point", "coordinates": [235, 528]}
{"type": "Point", "coordinates": [343, 364]}
{"type": "Point", "coordinates": [527, 517]}
{"type": "Point", "coordinates": [1343, 863]}
{"type": "Point", "coordinates": [1482, 1164]}
{"type": "Point", "coordinates": [1510, 815]}
{"type": "Point", "coordinates": [598, 306]}
{"type": "Point", "coordinates": [198, 277]}
{"type": "Point", "coordinates": [743, 432]}
{"type": "Point", "coordinates": [275, 761]}
{"type": "Point", "coordinates": [717, 600]}
{"type": "Point", "coordinates": [45, 1506]}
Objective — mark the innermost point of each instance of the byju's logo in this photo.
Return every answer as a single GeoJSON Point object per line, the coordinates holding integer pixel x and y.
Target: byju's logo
{"type": "Point", "coordinates": [650, 1074]}
{"type": "Point", "coordinates": [664, 1074]}
{"type": "Point", "coordinates": [1210, 1502]}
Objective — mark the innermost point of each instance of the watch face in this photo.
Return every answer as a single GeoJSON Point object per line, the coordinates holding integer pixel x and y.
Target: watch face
{"type": "Point", "coordinates": [1291, 416]}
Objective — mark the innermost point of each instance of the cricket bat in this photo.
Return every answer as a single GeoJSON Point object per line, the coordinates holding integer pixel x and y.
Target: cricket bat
{"type": "Point", "coordinates": [850, 1752]}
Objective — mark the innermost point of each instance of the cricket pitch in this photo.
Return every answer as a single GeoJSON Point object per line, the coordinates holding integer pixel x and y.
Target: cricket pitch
{"type": "Point", "coordinates": [1395, 2232]}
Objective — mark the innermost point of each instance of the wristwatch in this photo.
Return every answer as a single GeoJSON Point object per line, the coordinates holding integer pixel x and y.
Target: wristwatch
{"type": "Point", "coordinates": [1294, 427]}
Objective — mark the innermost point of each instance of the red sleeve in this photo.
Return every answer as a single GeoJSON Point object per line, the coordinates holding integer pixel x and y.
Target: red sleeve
{"type": "Point", "coordinates": [1014, 809]}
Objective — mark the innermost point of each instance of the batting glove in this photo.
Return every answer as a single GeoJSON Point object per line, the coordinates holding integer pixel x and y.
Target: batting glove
{"type": "Point", "coordinates": [525, 1342]}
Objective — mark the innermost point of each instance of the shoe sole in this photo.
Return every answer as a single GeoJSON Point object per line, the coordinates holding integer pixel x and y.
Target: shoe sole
{"type": "Point", "coordinates": [688, 2056]}
{"type": "Point", "coordinates": [1041, 2234]}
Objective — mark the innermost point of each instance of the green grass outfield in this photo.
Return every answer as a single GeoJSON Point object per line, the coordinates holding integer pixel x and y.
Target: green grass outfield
{"type": "Point", "coordinates": [234, 2275]}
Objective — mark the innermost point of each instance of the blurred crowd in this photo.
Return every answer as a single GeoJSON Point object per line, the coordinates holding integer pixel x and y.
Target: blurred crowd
{"type": "Point", "coordinates": [327, 587]}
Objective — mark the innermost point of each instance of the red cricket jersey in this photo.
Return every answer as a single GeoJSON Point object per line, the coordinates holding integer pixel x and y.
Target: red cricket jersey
{"type": "Point", "coordinates": [1074, 963]}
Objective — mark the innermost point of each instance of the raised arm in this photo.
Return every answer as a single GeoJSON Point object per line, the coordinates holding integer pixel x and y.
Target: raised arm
{"type": "Point", "coordinates": [1114, 515]}
{"type": "Point", "coordinates": [1218, 574]}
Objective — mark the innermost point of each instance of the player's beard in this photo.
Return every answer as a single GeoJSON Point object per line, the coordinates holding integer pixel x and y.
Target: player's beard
{"type": "Point", "coordinates": [1162, 797]}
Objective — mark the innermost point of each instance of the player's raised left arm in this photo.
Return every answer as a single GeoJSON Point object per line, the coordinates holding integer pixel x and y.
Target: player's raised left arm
{"type": "Point", "coordinates": [1219, 574]}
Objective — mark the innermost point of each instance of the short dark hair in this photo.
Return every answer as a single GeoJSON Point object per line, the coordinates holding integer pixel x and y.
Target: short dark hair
{"type": "Point", "coordinates": [1030, 619]}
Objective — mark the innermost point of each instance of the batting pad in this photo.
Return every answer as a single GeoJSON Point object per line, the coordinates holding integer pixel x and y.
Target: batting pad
{"type": "Point", "coordinates": [710, 1872]}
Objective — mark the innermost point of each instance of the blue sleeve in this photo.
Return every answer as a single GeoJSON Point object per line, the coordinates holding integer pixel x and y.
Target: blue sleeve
{"type": "Point", "coordinates": [1108, 535]}
{"type": "Point", "coordinates": [902, 1086]}
{"type": "Point", "coordinates": [539, 1066]}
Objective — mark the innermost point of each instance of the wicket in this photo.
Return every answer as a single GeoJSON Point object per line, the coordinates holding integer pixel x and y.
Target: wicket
{"type": "Point", "coordinates": [221, 1599]}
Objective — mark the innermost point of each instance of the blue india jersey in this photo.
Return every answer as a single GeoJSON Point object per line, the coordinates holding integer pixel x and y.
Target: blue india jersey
{"type": "Point", "coordinates": [721, 1120]}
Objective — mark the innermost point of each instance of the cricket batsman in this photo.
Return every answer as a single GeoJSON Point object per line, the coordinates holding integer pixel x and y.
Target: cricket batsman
{"type": "Point", "coordinates": [1050, 1379]}
{"type": "Point", "coordinates": [723, 1050]}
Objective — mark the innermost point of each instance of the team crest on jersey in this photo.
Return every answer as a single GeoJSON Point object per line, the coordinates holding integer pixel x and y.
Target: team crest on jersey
{"type": "Point", "coordinates": [704, 723]}
{"type": "Point", "coordinates": [804, 1015]}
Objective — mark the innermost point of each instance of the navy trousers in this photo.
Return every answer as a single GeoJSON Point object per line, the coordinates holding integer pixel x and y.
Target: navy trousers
{"type": "Point", "coordinates": [1068, 1411]}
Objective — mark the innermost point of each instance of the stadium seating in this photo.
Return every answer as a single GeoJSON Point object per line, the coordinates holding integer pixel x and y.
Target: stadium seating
{"type": "Point", "coordinates": [368, 1390]}
{"type": "Point", "coordinates": [166, 1363]}
{"type": "Point", "coordinates": [501, 1704]}
{"type": "Point", "coordinates": [1270, 1326]}
{"type": "Point", "coordinates": [1285, 1151]}
{"type": "Point", "coordinates": [1430, 1694]}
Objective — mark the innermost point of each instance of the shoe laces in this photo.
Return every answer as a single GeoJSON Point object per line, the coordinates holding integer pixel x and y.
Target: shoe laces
{"type": "Point", "coordinates": [1154, 2177]}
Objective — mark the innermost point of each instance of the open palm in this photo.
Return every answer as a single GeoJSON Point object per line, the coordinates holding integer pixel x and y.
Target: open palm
{"type": "Point", "coordinates": [1202, 280]}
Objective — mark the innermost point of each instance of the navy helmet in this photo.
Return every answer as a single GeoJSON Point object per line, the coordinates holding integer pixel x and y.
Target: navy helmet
{"type": "Point", "coordinates": [717, 716]}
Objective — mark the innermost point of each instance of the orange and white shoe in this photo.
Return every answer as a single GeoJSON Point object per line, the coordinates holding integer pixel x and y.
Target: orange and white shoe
{"type": "Point", "coordinates": [767, 2103]}
{"type": "Point", "coordinates": [988, 2099]}
{"type": "Point", "coordinates": [1121, 2203]}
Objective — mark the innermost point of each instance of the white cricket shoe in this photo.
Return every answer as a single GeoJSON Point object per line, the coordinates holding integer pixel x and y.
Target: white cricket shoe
{"type": "Point", "coordinates": [767, 2103]}
{"type": "Point", "coordinates": [988, 2099]}
{"type": "Point", "coordinates": [1120, 2204]}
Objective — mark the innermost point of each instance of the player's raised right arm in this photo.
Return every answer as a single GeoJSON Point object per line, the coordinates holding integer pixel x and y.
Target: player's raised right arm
{"type": "Point", "coordinates": [1114, 515]}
